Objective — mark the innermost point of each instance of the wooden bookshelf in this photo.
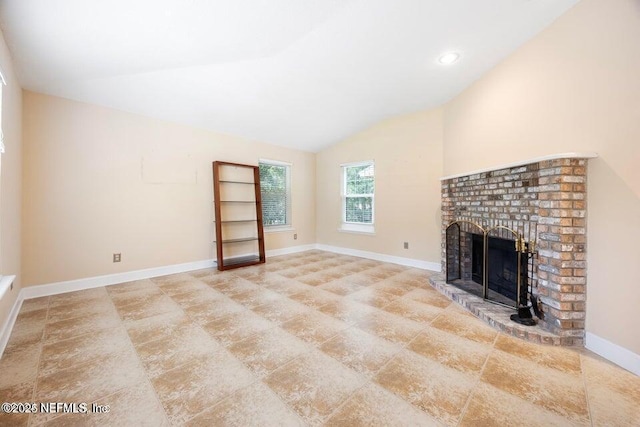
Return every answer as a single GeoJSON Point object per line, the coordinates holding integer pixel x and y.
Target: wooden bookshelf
{"type": "Point", "coordinates": [238, 215]}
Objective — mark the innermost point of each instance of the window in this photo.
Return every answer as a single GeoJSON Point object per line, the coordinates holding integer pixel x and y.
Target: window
{"type": "Point", "coordinates": [358, 188]}
{"type": "Point", "coordinates": [275, 186]}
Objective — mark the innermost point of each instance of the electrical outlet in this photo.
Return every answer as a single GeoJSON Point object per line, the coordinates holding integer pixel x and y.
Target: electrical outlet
{"type": "Point", "coordinates": [117, 257]}
{"type": "Point", "coordinates": [295, 236]}
{"type": "Point", "coordinates": [406, 245]}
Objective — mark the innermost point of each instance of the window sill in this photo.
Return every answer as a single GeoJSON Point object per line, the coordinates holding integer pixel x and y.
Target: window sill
{"type": "Point", "coordinates": [5, 284]}
{"type": "Point", "coordinates": [367, 229]}
{"type": "Point", "coordinates": [278, 229]}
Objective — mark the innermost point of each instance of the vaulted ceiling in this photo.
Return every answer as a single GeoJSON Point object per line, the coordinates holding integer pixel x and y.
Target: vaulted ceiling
{"type": "Point", "coordinates": [298, 73]}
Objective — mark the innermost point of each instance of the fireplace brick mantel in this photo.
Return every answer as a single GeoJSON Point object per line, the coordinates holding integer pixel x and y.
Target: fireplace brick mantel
{"type": "Point", "coordinates": [549, 195]}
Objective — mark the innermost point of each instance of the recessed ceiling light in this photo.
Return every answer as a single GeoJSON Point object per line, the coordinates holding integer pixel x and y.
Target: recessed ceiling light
{"type": "Point", "coordinates": [449, 58]}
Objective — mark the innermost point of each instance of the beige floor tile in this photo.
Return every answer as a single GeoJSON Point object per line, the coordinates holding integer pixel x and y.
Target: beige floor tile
{"type": "Point", "coordinates": [563, 359]}
{"type": "Point", "coordinates": [490, 407]}
{"type": "Point", "coordinates": [80, 325]}
{"type": "Point", "coordinates": [236, 286]}
{"type": "Point", "coordinates": [30, 322]}
{"type": "Point", "coordinates": [34, 304]}
{"type": "Point", "coordinates": [183, 346]}
{"type": "Point", "coordinates": [182, 287]}
{"type": "Point", "coordinates": [451, 350]}
{"type": "Point", "coordinates": [220, 281]}
{"type": "Point", "coordinates": [378, 273]}
{"type": "Point", "coordinates": [337, 273]}
{"type": "Point", "coordinates": [429, 296]}
{"type": "Point", "coordinates": [329, 263]}
{"type": "Point", "coordinates": [136, 297]}
{"type": "Point", "coordinates": [614, 394]}
{"type": "Point", "coordinates": [152, 305]}
{"type": "Point", "coordinates": [314, 385]}
{"type": "Point", "coordinates": [86, 348]}
{"type": "Point", "coordinates": [283, 286]}
{"type": "Point", "coordinates": [348, 311]}
{"type": "Point", "coordinates": [464, 325]}
{"type": "Point", "coordinates": [195, 387]}
{"type": "Point", "coordinates": [341, 287]}
{"type": "Point", "coordinates": [314, 327]}
{"type": "Point", "coordinates": [280, 311]}
{"type": "Point", "coordinates": [351, 268]}
{"type": "Point", "coordinates": [360, 351]}
{"type": "Point", "coordinates": [253, 273]}
{"type": "Point", "coordinates": [314, 267]}
{"type": "Point", "coordinates": [209, 311]}
{"type": "Point", "coordinates": [373, 297]}
{"type": "Point", "coordinates": [131, 406]}
{"type": "Point", "coordinates": [315, 278]}
{"type": "Point", "coordinates": [86, 295]}
{"type": "Point", "coordinates": [77, 308]}
{"type": "Point", "coordinates": [257, 276]}
{"type": "Point", "coordinates": [173, 279]}
{"type": "Point", "coordinates": [440, 391]}
{"type": "Point", "coordinates": [315, 298]}
{"type": "Point", "coordinates": [413, 310]}
{"type": "Point", "coordinates": [551, 389]}
{"type": "Point", "coordinates": [22, 392]}
{"type": "Point", "coordinates": [268, 350]}
{"type": "Point", "coordinates": [390, 327]}
{"type": "Point", "coordinates": [367, 263]}
{"type": "Point", "coordinates": [256, 297]}
{"type": "Point", "coordinates": [415, 277]}
{"type": "Point", "coordinates": [197, 297]}
{"type": "Point", "coordinates": [291, 273]}
{"type": "Point", "coordinates": [156, 327]}
{"type": "Point", "coordinates": [236, 327]}
{"type": "Point", "coordinates": [359, 279]}
{"type": "Point", "coordinates": [256, 406]}
{"type": "Point", "coordinates": [91, 381]}
{"type": "Point", "coordinates": [392, 287]}
{"type": "Point", "coordinates": [137, 286]}
{"type": "Point", "coordinates": [372, 405]}
{"type": "Point", "coordinates": [24, 338]}
{"type": "Point", "coordinates": [205, 272]}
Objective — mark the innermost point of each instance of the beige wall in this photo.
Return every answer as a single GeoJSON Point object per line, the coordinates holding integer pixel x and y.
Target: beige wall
{"type": "Point", "coordinates": [99, 181]}
{"type": "Point", "coordinates": [574, 87]}
{"type": "Point", "coordinates": [407, 151]}
{"type": "Point", "coordinates": [10, 181]}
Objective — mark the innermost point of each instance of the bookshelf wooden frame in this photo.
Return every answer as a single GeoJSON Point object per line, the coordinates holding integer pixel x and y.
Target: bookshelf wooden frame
{"type": "Point", "coordinates": [257, 232]}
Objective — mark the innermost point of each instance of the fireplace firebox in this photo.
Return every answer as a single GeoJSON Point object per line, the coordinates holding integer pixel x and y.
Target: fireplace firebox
{"type": "Point", "coordinates": [491, 263]}
{"type": "Point", "coordinates": [502, 268]}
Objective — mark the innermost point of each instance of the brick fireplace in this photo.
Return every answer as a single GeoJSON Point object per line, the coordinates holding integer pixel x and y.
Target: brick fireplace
{"type": "Point", "coordinates": [544, 200]}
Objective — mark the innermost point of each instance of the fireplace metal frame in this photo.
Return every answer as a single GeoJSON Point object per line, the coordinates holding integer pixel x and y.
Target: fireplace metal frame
{"type": "Point", "coordinates": [521, 247]}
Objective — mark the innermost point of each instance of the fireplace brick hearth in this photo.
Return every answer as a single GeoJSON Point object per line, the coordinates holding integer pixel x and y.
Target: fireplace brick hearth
{"type": "Point", "coordinates": [549, 196]}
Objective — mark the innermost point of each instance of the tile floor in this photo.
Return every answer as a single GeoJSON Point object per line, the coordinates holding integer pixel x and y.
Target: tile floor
{"type": "Point", "coordinates": [313, 338]}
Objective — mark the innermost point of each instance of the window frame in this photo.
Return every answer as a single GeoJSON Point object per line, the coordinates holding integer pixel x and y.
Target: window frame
{"type": "Point", "coordinates": [353, 226]}
{"type": "Point", "coordinates": [288, 226]}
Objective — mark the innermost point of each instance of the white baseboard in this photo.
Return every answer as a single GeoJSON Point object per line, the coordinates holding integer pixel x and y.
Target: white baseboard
{"type": "Point", "coordinates": [410, 262]}
{"type": "Point", "coordinates": [613, 352]}
{"type": "Point", "coordinates": [5, 332]}
{"type": "Point", "coordinates": [291, 250]}
{"type": "Point", "coordinates": [111, 279]}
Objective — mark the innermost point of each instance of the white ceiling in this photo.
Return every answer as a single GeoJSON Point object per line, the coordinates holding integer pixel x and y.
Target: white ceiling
{"type": "Point", "coordinates": [297, 73]}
